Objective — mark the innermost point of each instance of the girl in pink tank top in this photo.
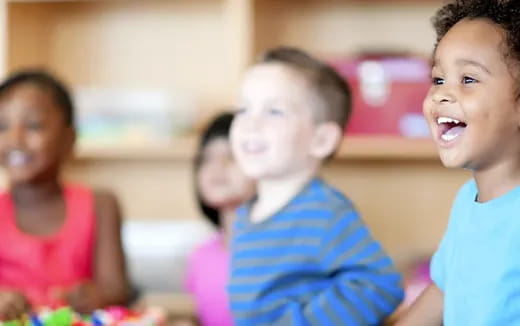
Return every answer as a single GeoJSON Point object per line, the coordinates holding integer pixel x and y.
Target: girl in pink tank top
{"type": "Point", "coordinates": [59, 243]}
{"type": "Point", "coordinates": [220, 189]}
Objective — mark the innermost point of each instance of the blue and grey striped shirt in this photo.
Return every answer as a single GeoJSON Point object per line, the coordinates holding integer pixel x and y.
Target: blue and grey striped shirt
{"type": "Point", "coordinates": [312, 263]}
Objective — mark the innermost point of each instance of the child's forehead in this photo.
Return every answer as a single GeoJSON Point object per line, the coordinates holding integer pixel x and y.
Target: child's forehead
{"type": "Point", "coordinates": [33, 98]}
{"type": "Point", "coordinates": [476, 38]}
{"type": "Point", "coordinates": [27, 91]}
{"type": "Point", "coordinates": [273, 83]}
{"type": "Point", "coordinates": [277, 80]}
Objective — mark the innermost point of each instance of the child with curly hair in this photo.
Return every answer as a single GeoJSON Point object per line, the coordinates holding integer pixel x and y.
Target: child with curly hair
{"type": "Point", "coordinates": [473, 109]}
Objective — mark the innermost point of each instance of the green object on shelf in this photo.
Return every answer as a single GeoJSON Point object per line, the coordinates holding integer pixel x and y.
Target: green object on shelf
{"type": "Point", "coordinates": [61, 317]}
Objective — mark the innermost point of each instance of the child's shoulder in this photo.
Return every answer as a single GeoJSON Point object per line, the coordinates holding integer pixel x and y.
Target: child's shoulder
{"type": "Point", "coordinates": [103, 203]}
{"type": "Point", "coordinates": [329, 192]}
{"type": "Point", "coordinates": [210, 248]}
{"type": "Point", "coordinates": [104, 197]}
{"type": "Point", "coordinates": [465, 192]}
{"type": "Point", "coordinates": [468, 189]}
{"type": "Point", "coordinates": [96, 193]}
{"type": "Point", "coordinates": [468, 195]}
{"type": "Point", "coordinates": [328, 197]}
{"type": "Point", "coordinates": [100, 198]}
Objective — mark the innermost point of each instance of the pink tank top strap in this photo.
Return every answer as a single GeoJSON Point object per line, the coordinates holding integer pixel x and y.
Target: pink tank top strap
{"type": "Point", "coordinates": [81, 213]}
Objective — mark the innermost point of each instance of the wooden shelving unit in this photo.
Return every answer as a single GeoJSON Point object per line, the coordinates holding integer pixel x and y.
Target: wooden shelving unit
{"type": "Point", "coordinates": [387, 148]}
{"type": "Point", "coordinates": [202, 47]}
{"type": "Point", "coordinates": [179, 149]}
{"type": "Point", "coordinates": [354, 148]}
{"type": "Point", "coordinates": [199, 47]}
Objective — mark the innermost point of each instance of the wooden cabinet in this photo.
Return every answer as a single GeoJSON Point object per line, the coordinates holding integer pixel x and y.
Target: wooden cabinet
{"type": "Point", "coordinates": [201, 46]}
{"type": "Point", "coordinates": [197, 47]}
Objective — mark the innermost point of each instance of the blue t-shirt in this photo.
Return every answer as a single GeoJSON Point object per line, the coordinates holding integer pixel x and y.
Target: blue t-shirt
{"type": "Point", "coordinates": [477, 265]}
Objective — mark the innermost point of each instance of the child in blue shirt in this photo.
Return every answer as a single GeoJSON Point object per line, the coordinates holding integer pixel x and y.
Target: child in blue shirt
{"type": "Point", "coordinates": [473, 108]}
{"type": "Point", "coordinates": [301, 255]}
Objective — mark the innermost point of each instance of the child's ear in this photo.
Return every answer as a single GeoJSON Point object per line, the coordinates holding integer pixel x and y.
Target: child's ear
{"type": "Point", "coordinates": [326, 139]}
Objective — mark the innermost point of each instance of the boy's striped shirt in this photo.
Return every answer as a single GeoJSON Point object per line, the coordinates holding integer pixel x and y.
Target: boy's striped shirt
{"type": "Point", "coordinates": [312, 263]}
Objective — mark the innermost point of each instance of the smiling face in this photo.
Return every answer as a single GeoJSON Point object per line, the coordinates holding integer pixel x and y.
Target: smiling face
{"type": "Point", "coordinates": [472, 107]}
{"type": "Point", "coordinates": [34, 138]}
{"type": "Point", "coordinates": [274, 134]}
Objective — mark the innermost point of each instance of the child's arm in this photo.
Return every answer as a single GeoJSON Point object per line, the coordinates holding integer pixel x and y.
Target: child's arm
{"type": "Point", "coordinates": [12, 305]}
{"type": "Point", "coordinates": [365, 287]}
{"type": "Point", "coordinates": [426, 311]}
{"type": "Point", "coordinates": [110, 285]}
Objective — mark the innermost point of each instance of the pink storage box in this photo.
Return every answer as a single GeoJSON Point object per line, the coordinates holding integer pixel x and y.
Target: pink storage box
{"type": "Point", "coordinates": [388, 93]}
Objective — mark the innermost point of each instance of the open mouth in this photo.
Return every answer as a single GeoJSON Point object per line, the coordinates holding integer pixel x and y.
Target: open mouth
{"type": "Point", "coordinates": [450, 128]}
{"type": "Point", "coordinates": [16, 158]}
{"type": "Point", "coordinates": [254, 147]}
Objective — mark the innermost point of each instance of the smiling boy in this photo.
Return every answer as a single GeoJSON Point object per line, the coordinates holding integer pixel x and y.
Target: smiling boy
{"type": "Point", "coordinates": [301, 254]}
{"type": "Point", "coordinates": [473, 109]}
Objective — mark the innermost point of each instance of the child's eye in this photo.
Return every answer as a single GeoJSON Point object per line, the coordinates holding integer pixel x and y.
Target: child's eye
{"type": "Point", "coordinates": [275, 111]}
{"type": "Point", "coordinates": [240, 111]}
{"type": "Point", "coordinates": [34, 125]}
{"type": "Point", "coordinates": [437, 81]}
{"type": "Point", "coordinates": [3, 126]}
{"type": "Point", "coordinates": [468, 80]}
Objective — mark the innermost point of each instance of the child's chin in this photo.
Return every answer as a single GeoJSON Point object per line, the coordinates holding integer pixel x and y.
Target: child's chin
{"type": "Point", "coordinates": [451, 162]}
{"type": "Point", "coordinates": [20, 180]}
{"type": "Point", "coordinates": [253, 173]}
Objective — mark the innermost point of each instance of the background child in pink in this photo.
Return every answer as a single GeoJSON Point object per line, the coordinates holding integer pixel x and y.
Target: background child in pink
{"type": "Point", "coordinates": [60, 243]}
{"type": "Point", "coordinates": [221, 188]}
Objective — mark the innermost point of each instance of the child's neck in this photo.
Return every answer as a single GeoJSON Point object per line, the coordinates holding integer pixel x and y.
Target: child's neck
{"type": "Point", "coordinates": [227, 217]}
{"type": "Point", "coordinates": [274, 193]}
{"type": "Point", "coordinates": [497, 180]}
{"type": "Point", "coordinates": [34, 193]}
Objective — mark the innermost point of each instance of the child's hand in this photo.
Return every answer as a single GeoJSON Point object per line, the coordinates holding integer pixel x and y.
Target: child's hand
{"type": "Point", "coordinates": [13, 305]}
{"type": "Point", "coordinates": [84, 298]}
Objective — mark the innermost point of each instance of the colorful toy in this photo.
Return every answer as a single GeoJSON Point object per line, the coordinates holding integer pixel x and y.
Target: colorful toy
{"type": "Point", "coordinates": [113, 316]}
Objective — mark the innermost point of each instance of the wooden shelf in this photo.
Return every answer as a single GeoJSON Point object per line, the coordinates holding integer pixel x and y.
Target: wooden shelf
{"type": "Point", "coordinates": [353, 148]}
{"type": "Point", "coordinates": [387, 148]}
{"type": "Point", "coordinates": [178, 149]}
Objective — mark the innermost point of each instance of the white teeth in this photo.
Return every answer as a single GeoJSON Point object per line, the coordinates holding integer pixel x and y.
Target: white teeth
{"type": "Point", "coordinates": [447, 137]}
{"type": "Point", "coordinates": [446, 120]}
{"type": "Point", "coordinates": [17, 158]}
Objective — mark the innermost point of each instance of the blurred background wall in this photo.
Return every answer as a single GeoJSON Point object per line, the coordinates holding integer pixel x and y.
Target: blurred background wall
{"type": "Point", "coordinates": [147, 74]}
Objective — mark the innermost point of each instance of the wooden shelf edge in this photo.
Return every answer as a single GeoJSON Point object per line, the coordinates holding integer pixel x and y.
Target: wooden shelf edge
{"type": "Point", "coordinates": [353, 148]}
{"type": "Point", "coordinates": [387, 148]}
{"type": "Point", "coordinates": [178, 149]}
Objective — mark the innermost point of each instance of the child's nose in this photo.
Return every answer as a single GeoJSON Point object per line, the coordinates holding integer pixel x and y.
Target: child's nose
{"type": "Point", "coordinates": [253, 122]}
{"type": "Point", "coordinates": [443, 95]}
{"type": "Point", "coordinates": [16, 136]}
{"type": "Point", "coordinates": [224, 162]}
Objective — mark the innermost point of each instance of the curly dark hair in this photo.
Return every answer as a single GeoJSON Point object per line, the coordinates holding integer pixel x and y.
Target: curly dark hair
{"type": "Point", "coordinates": [505, 13]}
